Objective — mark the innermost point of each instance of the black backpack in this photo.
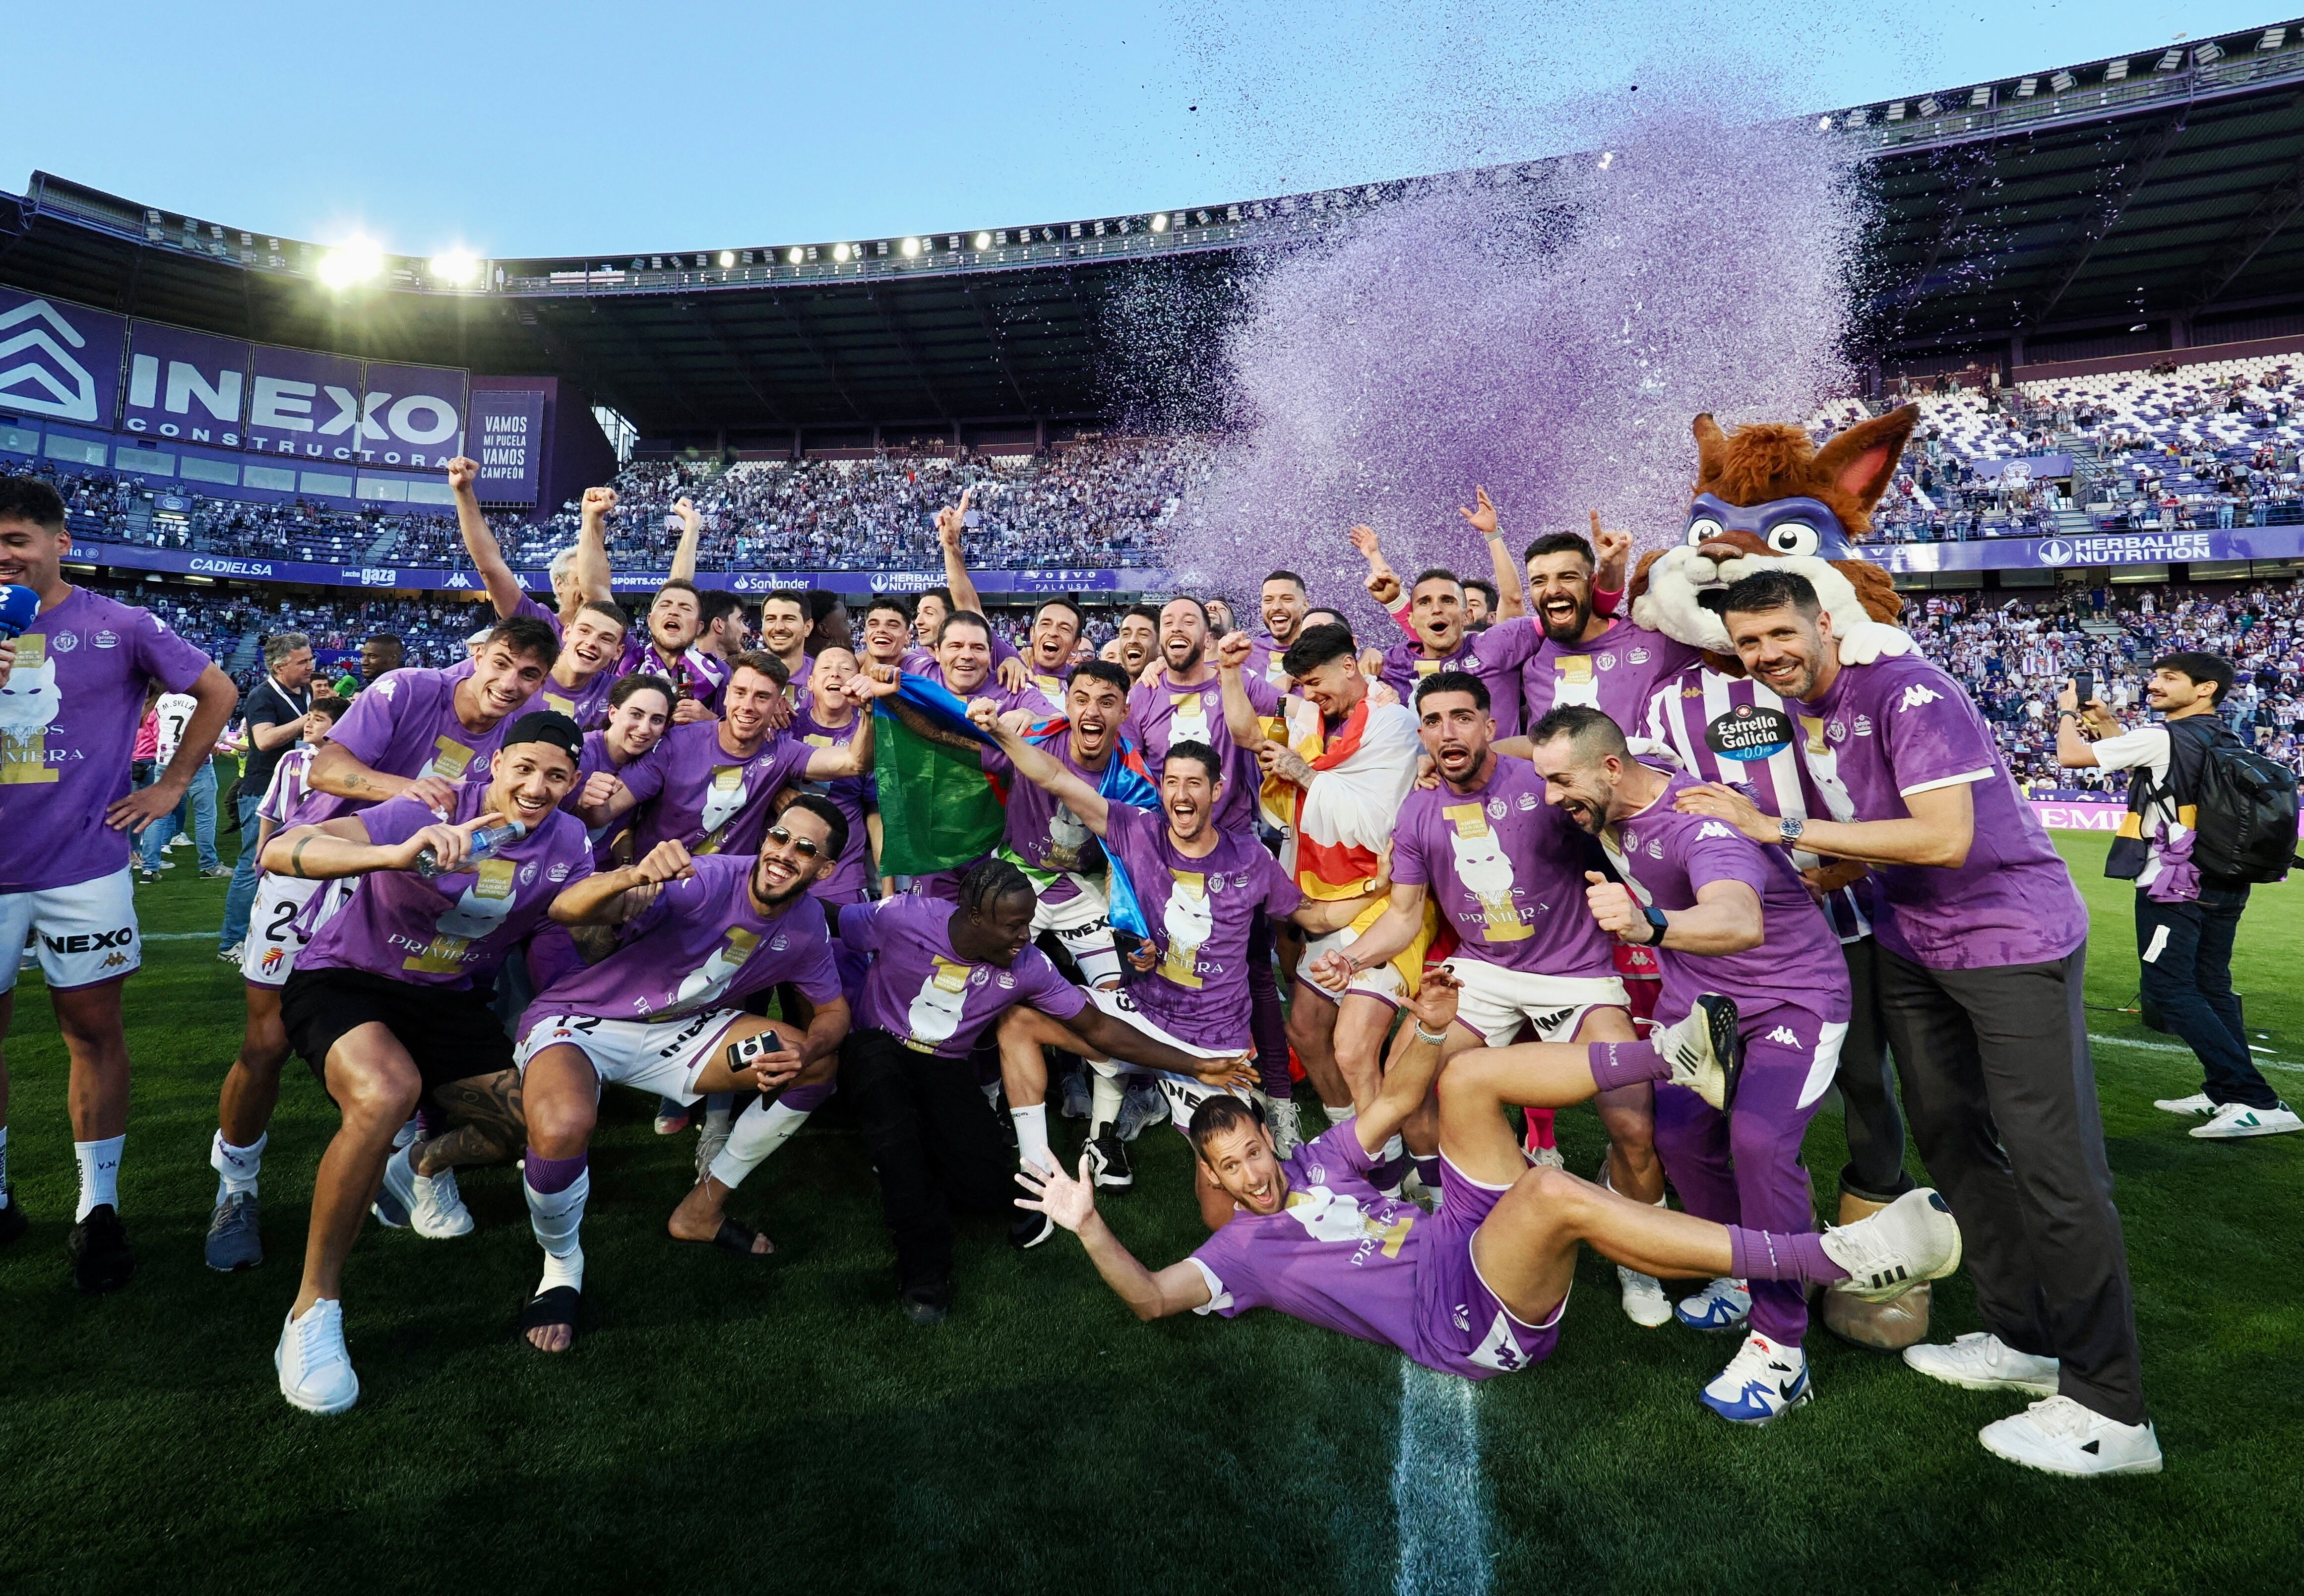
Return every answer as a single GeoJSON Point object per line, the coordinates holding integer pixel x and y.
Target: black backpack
{"type": "Point", "coordinates": [2246, 810]}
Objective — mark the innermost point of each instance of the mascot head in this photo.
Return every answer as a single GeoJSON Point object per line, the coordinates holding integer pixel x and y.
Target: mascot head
{"type": "Point", "coordinates": [1765, 491]}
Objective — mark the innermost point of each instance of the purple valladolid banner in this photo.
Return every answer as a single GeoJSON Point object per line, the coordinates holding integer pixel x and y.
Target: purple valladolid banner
{"type": "Point", "coordinates": [187, 385]}
{"type": "Point", "coordinates": [303, 405]}
{"type": "Point", "coordinates": [2040, 468]}
{"type": "Point", "coordinates": [504, 430]}
{"type": "Point", "coordinates": [2096, 549]}
{"type": "Point", "coordinates": [411, 417]}
{"type": "Point", "coordinates": [59, 361]}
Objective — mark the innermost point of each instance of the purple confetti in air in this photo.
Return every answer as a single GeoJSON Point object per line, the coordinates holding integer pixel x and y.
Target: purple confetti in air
{"type": "Point", "coordinates": [1549, 339]}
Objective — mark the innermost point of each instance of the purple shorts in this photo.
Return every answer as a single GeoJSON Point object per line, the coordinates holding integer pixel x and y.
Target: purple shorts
{"type": "Point", "coordinates": [1463, 1328]}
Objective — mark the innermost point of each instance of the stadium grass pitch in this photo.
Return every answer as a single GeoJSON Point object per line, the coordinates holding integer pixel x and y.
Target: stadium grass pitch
{"type": "Point", "coordinates": [727, 1428]}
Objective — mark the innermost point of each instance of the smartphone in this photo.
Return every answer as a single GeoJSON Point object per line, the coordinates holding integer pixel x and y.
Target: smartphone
{"type": "Point", "coordinates": [2083, 687]}
{"type": "Point", "coordinates": [742, 1055]}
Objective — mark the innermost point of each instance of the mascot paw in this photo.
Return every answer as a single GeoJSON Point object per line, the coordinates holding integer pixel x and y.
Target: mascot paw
{"type": "Point", "coordinates": [1870, 640]}
{"type": "Point", "coordinates": [1649, 751]}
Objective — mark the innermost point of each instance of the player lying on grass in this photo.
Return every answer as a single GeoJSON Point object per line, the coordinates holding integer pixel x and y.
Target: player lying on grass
{"type": "Point", "coordinates": [662, 1014]}
{"type": "Point", "coordinates": [1477, 1288]}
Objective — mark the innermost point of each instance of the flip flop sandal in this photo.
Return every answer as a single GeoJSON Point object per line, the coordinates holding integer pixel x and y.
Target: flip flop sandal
{"type": "Point", "coordinates": [734, 1237]}
{"type": "Point", "coordinates": [547, 1308]}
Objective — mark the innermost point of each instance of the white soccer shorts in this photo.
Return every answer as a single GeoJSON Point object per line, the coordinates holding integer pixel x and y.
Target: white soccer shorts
{"type": "Point", "coordinates": [664, 1057]}
{"type": "Point", "coordinates": [87, 932]}
{"type": "Point", "coordinates": [1082, 923]}
{"type": "Point", "coordinates": [276, 934]}
{"type": "Point", "coordinates": [1184, 1093]}
{"type": "Point", "coordinates": [1383, 982]}
{"type": "Point", "coordinates": [1496, 1000]}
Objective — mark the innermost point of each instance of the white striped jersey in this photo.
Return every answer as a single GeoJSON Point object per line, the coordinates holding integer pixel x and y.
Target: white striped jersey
{"type": "Point", "coordinates": [1733, 731]}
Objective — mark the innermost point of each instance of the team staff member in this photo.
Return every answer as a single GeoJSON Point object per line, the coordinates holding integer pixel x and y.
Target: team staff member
{"type": "Point", "coordinates": [72, 688]}
{"type": "Point", "coordinates": [1983, 951]}
{"type": "Point", "coordinates": [389, 1000]}
{"type": "Point", "coordinates": [2185, 920]}
{"type": "Point", "coordinates": [274, 712]}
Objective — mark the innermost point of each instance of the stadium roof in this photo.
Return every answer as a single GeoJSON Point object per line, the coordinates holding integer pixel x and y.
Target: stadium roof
{"type": "Point", "coordinates": [2032, 216]}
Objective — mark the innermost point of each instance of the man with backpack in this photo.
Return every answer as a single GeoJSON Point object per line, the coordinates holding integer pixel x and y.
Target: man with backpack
{"type": "Point", "coordinates": [2207, 817]}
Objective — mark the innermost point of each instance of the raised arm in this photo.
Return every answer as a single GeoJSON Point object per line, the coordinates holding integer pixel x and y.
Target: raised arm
{"type": "Point", "coordinates": [1614, 550]}
{"type": "Point", "coordinates": [612, 897]}
{"type": "Point", "coordinates": [1511, 601]}
{"type": "Point", "coordinates": [1241, 719]}
{"type": "Point", "coordinates": [480, 539]}
{"type": "Point", "coordinates": [691, 534]}
{"type": "Point", "coordinates": [853, 757]}
{"type": "Point", "coordinates": [1071, 1203]}
{"type": "Point", "coordinates": [1042, 768]}
{"type": "Point", "coordinates": [951, 522]}
{"type": "Point", "coordinates": [910, 719]}
{"type": "Point", "coordinates": [592, 576]}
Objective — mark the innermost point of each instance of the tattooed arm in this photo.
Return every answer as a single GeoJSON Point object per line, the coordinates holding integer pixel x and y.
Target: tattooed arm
{"type": "Point", "coordinates": [486, 1123]}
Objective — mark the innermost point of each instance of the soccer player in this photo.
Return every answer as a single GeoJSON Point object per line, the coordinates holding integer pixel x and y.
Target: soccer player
{"type": "Point", "coordinates": [1477, 1288]}
{"type": "Point", "coordinates": [887, 631]}
{"type": "Point", "coordinates": [1055, 631]}
{"type": "Point", "coordinates": [388, 1003]}
{"type": "Point", "coordinates": [2186, 919]}
{"type": "Point", "coordinates": [71, 689]}
{"type": "Point", "coordinates": [430, 730]}
{"type": "Point", "coordinates": [380, 654]}
{"type": "Point", "coordinates": [582, 680]}
{"type": "Point", "coordinates": [580, 575]}
{"type": "Point", "coordinates": [1587, 658]}
{"type": "Point", "coordinates": [279, 929]}
{"type": "Point", "coordinates": [941, 973]}
{"type": "Point", "coordinates": [273, 711]}
{"type": "Point", "coordinates": [661, 1014]}
{"type": "Point", "coordinates": [675, 619]}
{"type": "Point", "coordinates": [1505, 870]}
{"type": "Point", "coordinates": [1723, 913]}
{"type": "Point", "coordinates": [640, 713]}
{"type": "Point", "coordinates": [1734, 731]}
{"type": "Point", "coordinates": [1282, 601]}
{"type": "Point", "coordinates": [1139, 637]}
{"type": "Point", "coordinates": [195, 813]}
{"type": "Point", "coordinates": [1442, 642]}
{"type": "Point", "coordinates": [784, 632]}
{"type": "Point", "coordinates": [1983, 951]}
{"type": "Point", "coordinates": [1202, 890]}
{"type": "Point", "coordinates": [832, 719]}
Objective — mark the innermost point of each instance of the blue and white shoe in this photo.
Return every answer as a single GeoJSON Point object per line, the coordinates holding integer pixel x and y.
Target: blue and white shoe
{"type": "Point", "coordinates": [1760, 1382]}
{"type": "Point", "coordinates": [1723, 1306]}
{"type": "Point", "coordinates": [394, 1193]}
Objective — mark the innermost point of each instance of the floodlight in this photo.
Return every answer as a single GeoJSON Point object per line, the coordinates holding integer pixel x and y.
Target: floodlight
{"type": "Point", "coordinates": [1824, 125]}
{"type": "Point", "coordinates": [2062, 82]}
{"type": "Point", "coordinates": [2274, 37]}
{"type": "Point", "coordinates": [355, 262]}
{"type": "Point", "coordinates": [456, 267]}
{"type": "Point", "coordinates": [840, 253]}
{"type": "Point", "coordinates": [912, 249]}
{"type": "Point", "coordinates": [795, 255]}
{"type": "Point", "coordinates": [983, 240]}
{"type": "Point", "coordinates": [2170, 62]}
{"type": "Point", "coordinates": [727, 258]}
{"type": "Point", "coordinates": [1929, 107]}
{"type": "Point", "coordinates": [2117, 71]}
{"type": "Point", "coordinates": [2208, 54]}
{"type": "Point", "coordinates": [1160, 222]}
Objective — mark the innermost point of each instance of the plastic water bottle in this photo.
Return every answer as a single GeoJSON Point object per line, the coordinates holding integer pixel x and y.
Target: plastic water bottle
{"type": "Point", "coordinates": [484, 842]}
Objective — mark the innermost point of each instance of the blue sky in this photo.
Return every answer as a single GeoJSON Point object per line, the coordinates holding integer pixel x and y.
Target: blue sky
{"type": "Point", "coordinates": [522, 129]}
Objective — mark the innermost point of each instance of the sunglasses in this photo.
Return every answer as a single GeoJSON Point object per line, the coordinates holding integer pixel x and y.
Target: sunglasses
{"type": "Point", "coordinates": [780, 835]}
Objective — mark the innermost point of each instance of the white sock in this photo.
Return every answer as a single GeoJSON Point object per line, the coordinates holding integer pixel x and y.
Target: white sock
{"type": "Point", "coordinates": [1393, 1148]}
{"type": "Point", "coordinates": [556, 1218]}
{"type": "Point", "coordinates": [99, 1173]}
{"type": "Point", "coordinates": [3, 1166]}
{"type": "Point", "coordinates": [717, 1107]}
{"type": "Point", "coordinates": [1032, 1137]}
{"type": "Point", "coordinates": [1343, 1116]}
{"type": "Point", "coordinates": [758, 1131]}
{"type": "Point", "coordinates": [236, 1167]}
{"type": "Point", "coordinates": [1105, 1096]}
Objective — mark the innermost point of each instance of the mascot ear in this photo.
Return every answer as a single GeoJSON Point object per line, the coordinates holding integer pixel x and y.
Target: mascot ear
{"type": "Point", "coordinates": [1711, 450]}
{"type": "Point", "coordinates": [1861, 460]}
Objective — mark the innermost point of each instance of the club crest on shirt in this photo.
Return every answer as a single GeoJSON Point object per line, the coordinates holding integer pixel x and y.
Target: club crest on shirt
{"type": "Point", "coordinates": [1607, 662]}
{"type": "Point", "coordinates": [1498, 808]}
{"type": "Point", "coordinates": [1836, 730]}
{"type": "Point", "coordinates": [63, 642]}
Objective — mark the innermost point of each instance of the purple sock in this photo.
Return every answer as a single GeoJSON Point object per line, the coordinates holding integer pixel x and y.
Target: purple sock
{"type": "Point", "coordinates": [546, 1176]}
{"type": "Point", "coordinates": [802, 1100]}
{"type": "Point", "coordinates": [1427, 1170]}
{"type": "Point", "coordinates": [1625, 1064]}
{"type": "Point", "coordinates": [1780, 1255]}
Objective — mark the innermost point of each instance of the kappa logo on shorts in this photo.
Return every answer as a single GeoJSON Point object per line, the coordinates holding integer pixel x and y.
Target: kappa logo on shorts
{"type": "Point", "coordinates": [1784, 1036]}
{"type": "Point", "coordinates": [112, 961]}
{"type": "Point", "coordinates": [90, 942]}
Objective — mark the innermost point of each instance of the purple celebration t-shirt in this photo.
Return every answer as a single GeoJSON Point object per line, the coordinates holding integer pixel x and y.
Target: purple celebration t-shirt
{"type": "Point", "coordinates": [851, 878]}
{"type": "Point", "coordinates": [1901, 726]}
{"type": "Point", "coordinates": [1667, 856]}
{"type": "Point", "coordinates": [1506, 870]}
{"type": "Point", "coordinates": [701, 945]}
{"type": "Point", "coordinates": [1052, 843]}
{"type": "Point", "coordinates": [68, 718]}
{"type": "Point", "coordinates": [924, 995]}
{"type": "Point", "coordinates": [1342, 1255]}
{"type": "Point", "coordinates": [694, 791]}
{"type": "Point", "coordinates": [1616, 674]}
{"type": "Point", "coordinates": [1496, 656]}
{"type": "Point", "coordinates": [453, 929]}
{"type": "Point", "coordinates": [1200, 911]}
{"type": "Point", "coordinates": [1159, 717]}
{"type": "Point", "coordinates": [405, 724]}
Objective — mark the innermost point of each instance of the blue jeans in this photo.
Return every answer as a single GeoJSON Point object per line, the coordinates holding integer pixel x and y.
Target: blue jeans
{"type": "Point", "coordinates": [200, 804]}
{"type": "Point", "coordinates": [2186, 950]}
{"type": "Point", "coordinates": [240, 897]}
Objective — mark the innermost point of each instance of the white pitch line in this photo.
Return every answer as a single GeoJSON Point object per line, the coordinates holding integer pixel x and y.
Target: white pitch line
{"type": "Point", "coordinates": [2142, 1046]}
{"type": "Point", "coordinates": [1436, 1496]}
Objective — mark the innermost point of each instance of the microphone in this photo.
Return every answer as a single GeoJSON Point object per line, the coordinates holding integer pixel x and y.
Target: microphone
{"type": "Point", "coordinates": [19, 608]}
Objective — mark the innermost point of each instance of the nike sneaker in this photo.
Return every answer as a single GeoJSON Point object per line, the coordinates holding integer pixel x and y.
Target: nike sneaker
{"type": "Point", "coordinates": [1722, 1305]}
{"type": "Point", "coordinates": [1761, 1381]}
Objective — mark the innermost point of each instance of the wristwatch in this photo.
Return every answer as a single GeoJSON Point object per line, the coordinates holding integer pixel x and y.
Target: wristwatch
{"type": "Point", "coordinates": [1656, 924]}
{"type": "Point", "coordinates": [1789, 830]}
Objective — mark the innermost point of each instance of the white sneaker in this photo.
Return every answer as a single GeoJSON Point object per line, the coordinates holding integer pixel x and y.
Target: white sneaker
{"type": "Point", "coordinates": [1913, 1238]}
{"type": "Point", "coordinates": [1287, 1133]}
{"type": "Point", "coordinates": [1546, 1158]}
{"type": "Point", "coordinates": [316, 1370]}
{"type": "Point", "coordinates": [2198, 1103]}
{"type": "Point", "coordinates": [1723, 1304]}
{"type": "Point", "coordinates": [2058, 1436]}
{"type": "Point", "coordinates": [1981, 1361]}
{"type": "Point", "coordinates": [2236, 1119]}
{"type": "Point", "coordinates": [1762, 1380]}
{"type": "Point", "coordinates": [438, 1211]}
{"type": "Point", "coordinates": [1704, 1050]}
{"type": "Point", "coordinates": [1644, 1303]}
{"type": "Point", "coordinates": [710, 1140]}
